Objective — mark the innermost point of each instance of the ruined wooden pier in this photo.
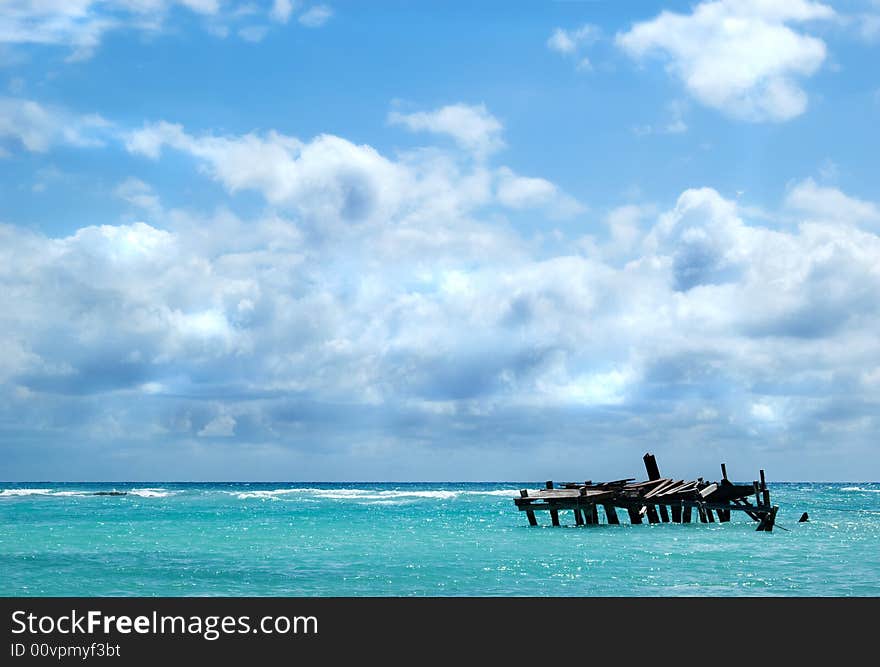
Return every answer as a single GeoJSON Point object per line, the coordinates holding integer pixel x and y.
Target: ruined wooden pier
{"type": "Point", "coordinates": [659, 499]}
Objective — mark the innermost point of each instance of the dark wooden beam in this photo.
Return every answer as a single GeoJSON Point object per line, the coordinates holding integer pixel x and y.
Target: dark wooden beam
{"type": "Point", "coordinates": [651, 467]}
{"type": "Point", "coordinates": [611, 514]}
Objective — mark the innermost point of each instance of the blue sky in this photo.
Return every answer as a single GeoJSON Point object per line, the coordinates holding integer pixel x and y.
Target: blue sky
{"type": "Point", "coordinates": [425, 241]}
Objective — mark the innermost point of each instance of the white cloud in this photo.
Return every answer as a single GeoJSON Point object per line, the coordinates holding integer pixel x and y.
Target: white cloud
{"type": "Point", "coordinates": [830, 204]}
{"type": "Point", "coordinates": [569, 41]}
{"type": "Point", "coordinates": [82, 24]}
{"type": "Point", "coordinates": [740, 57]}
{"type": "Point", "coordinates": [281, 10]}
{"type": "Point", "coordinates": [472, 127]}
{"type": "Point", "coordinates": [316, 16]}
{"type": "Point", "coordinates": [522, 192]}
{"type": "Point", "coordinates": [253, 33]}
{"type": "Point", "coordinates": [432, 315]}
{"type": "Point", "coordinates": [573, 42]}
{"type": "Point", "coordinates": [38, 128]}
{"type": "Point", "coordinates": [219, 427]}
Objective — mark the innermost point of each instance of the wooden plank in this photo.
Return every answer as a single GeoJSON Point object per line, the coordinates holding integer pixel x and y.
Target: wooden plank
{"type": "Point", "coordinates": [763, 481]}
{"type": "Point", "coordinates": [666, 484]}
{"type": "Point", "coordinates": [611, 514]}
{"type": "Point", "coordinates": [709, 490]}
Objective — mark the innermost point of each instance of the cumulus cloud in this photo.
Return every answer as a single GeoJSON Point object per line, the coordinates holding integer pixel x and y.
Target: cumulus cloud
{"type": "Point", "coordinates": [825, 203]}
{"type": "Point", "coordinates": [37, 128]}
{"type": "Point", "coordinates": [743, 58]}
{"type": "Point", "coordinates": [716, 329]}
{"type": "Point", "coordinates": [472, 127]}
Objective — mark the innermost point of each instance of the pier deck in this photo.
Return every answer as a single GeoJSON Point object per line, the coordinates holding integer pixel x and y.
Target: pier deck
{"type": "Point", "coordinates": [659, 500]}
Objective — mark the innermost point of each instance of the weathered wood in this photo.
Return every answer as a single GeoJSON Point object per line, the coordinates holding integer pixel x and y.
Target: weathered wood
{"type": "Point", "coordinates": [757, 493]}
{"type": "Point", "coordinates": [768, 520]}
{"type": "Point", "coordinates": [651, 467]}
{"type": "Point", "coordinates": [588, 514]}
{"type": "Point", "coordinates": [724, 472]}
{"type": "Point", "coordinates": [686, 514]}
{"type": "Point", "coordinates": [709, 515]}
{"type": "Point", "coordinates": [804, 518]}
{"type": "Point", "coordinates": [763, 481]}
{"type": "Point", "coordinates": [554, 517]}
{"type": "Point", "coordinates": [611, 514]}
{"type": "Point", "coordinates": [664, 513]}
{"type": "Point", "coordinates": [708, 491]}
{"type": "Point", "coordinates": [578, 518]}
{"type": "Point", "coordinates": [676, 512]}
{"type": "Point", "coordinates": [634, 516]}
{"type": "Point", "coordinates": [594, 511]}
{"type": "Point", "coordinates": [549, 484]}
{"type": "Point", "coordinates": [702, 512]}
{"type": "Point", "coordinates": [524, 493]}
{"type": "Point", "coordinates": [652, 514]}
{"type": "Point", "coordinates": [723, 515]}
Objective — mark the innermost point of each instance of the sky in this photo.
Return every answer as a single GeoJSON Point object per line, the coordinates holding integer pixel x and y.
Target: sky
{"type": "Point", "coordinates": [287, 240]}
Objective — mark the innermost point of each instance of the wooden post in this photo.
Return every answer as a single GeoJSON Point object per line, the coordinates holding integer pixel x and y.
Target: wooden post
{"type": "Point", "coordinates": [723, 515]}
{"type": "Point", "coordinates": [611, 514]}
{"type": "Point", "coordinates": [529, 513]}
{"type": "Point", "coordinates": [702, 512]}
{"type": "Point", "coordinates": [588, 514]}
{"type": "Point", "coordinates": [724, 472]}
{"type": "Point", "coordinates": [652, 514]}
{"type": "Point", "coordinates": [651, 467]}
{"type": "Point", "coordinates": [709, 515]}
{"type": "Point", "coordinates": [634, 516]}
{"type": "Point", "coordinates": [549, 484]}
{"type": "Point", "coordinates": [578, 519]}
{"type": "Point", "coordinates": [595, 512]}
{"type": "Point", "coordinates": [757, 494]}
{"type": "Point", "coordinates": [676, 513]}
{"type": "Point", "coordinates": [763, 481]}
{"type": "Point", "coordinates": [554, 517]}
{"type": "Point", "coordinates": [664, 513]}
{"type": "Point", "coordinates": [768, 520]}
{"type": "Point", "coordinates": [686, 514]}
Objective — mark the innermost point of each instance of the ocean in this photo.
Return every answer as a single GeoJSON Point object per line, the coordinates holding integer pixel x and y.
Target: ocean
{"type": "Point", "coordinates": [418, 539]}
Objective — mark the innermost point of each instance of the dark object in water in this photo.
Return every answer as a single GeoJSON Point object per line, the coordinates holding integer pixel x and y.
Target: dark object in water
{"type": "Point", "coordinates": [658, 499]}
{"type": "Point", "coordinates": [110, 493]}
{"type": "Point", "coordinates": [804, 518]}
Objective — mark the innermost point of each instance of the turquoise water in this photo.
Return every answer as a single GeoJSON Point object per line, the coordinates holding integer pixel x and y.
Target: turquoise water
{"type": "Point", "coordinates": [415, 539]}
